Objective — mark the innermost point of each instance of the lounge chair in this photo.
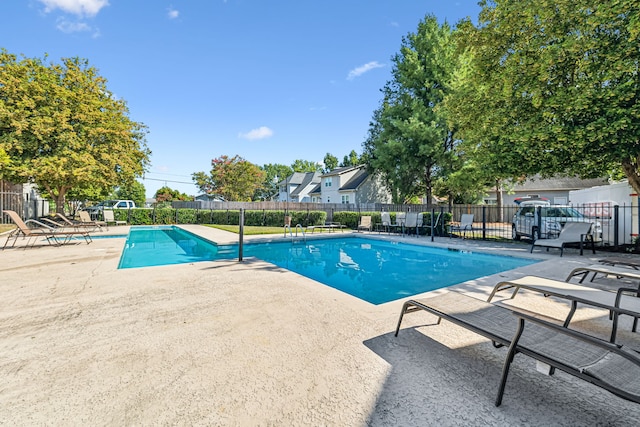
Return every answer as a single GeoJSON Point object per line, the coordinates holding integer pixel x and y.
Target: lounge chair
{"type": "Point", "coordinates": [411, 222]}
{"type": "Point", "coordinates": [611, 301]}
{"type": "Point", "coordinates": [465, 224]}
{"type": "Point", "coordinates": [399, 224]}
{"type": "Point", "coordinates": [365, 223]}
{"type": "Point", "coordinates": [572, 232]}
{"type": "Point", "coordinates": [385, 225]}
{"type": "Point", "coordinates": [607, 270]}
{"type": "Point", "coordinates": [85, 219]}
{"type": "Point", "coordinates": [54, 236]}
{"type": "Point", "coordinates": [109, 218]}
{"type": "Point", "coordinates": [627, 262]}
{"type": "Point", "coordinates": [604, 364]}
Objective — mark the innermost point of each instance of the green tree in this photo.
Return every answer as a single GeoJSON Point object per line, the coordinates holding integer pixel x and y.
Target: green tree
{"type": "Point", "coordinates": [63, 129]}
{"type": "Point", "coordinates": [133, 190]}
{"type": "Point", "coordinates": [559, 84]}
{"type": "Point", "coordinates": [235, 179]}
{"type": "Point", "coordinates": [330, 162]}
{"type": "Point", "coordinates": [305, 166]}
{"type": "Point", "coordinates": [167, 194]}
{"type": "Point", "coordinates": [351, 159]}
{"type": "Point", "coordinates": [409, 141]}
{"type": "Point", "coordinates": [274, 173]}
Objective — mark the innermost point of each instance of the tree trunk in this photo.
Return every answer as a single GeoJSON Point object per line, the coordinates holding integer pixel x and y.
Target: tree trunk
{"type": "Point", "coordinates": [632, 172]}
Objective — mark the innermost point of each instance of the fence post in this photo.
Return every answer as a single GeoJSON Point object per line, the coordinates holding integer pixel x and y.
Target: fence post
{"type": "Point", "coordinates": [484, 223]}
{"type": "Point", "coordinates": [433, 228]}
{"type": "Point", "coordinates": [616, 225]}
{"type": "Point", "coordinates": [241, 235]}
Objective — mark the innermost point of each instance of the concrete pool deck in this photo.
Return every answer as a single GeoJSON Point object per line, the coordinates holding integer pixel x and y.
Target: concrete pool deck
{"type": "Point", "coordinates": [249, 344]}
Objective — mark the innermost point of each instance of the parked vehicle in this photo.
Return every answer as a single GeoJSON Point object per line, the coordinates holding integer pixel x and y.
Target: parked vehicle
{"type": "Point", "coordinates": [541, 220]}
{"type": "Point", "coordinates": [96, 210]}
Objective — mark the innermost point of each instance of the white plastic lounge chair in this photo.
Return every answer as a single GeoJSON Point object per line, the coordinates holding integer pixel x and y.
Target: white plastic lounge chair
{"type": "Point", "coordinates": [572, 232]}
{"type": "Point", "coordinates": [625, 304]}
{"type": "Point", "coordinates": [109, 218]}
{"type": "Point", "coordinates": [602, 363]}
{"type": "Point", "coordinates": [465, 224]}
{"type": "Point", "coordinates": [54, 236]}
{"type": "Point", "coordinates": [365, 223]}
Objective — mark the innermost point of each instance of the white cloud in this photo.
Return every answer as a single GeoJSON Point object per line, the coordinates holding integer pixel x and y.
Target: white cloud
{"type": "Point", "coordinates": [76, 7]}
{"type": "Point", "coordinates": [173, 14]}
{"type": "Point", "coordinates": [357, 72]}
{"type": "Point", "coordinates": [259, 133]}
{"type": "Point", "coordinates": [72, 27]}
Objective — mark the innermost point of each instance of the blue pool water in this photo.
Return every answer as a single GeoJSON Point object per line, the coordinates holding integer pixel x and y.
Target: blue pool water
{"type": "Point", "coordinates": [372, 270]}
{"type": "Point", "coordinates": [163, 245]}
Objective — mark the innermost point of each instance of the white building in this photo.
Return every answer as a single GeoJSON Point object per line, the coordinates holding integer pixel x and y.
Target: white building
{"type": "Point", "coordinates": [351, 184]}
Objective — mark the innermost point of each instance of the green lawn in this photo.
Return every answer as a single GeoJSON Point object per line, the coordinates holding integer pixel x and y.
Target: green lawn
{"type": "Point", "coordinates": [6, 227]}
{"type": "Point", "coordinates": [249, 230]}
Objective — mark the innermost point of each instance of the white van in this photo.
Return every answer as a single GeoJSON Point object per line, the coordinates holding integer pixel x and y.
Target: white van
{"type": "Point", "coordinates": [552, 218]}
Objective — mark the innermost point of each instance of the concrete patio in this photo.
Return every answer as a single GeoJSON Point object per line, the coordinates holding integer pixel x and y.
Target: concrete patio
{"type": "Point", "coordinates": [230, 343]}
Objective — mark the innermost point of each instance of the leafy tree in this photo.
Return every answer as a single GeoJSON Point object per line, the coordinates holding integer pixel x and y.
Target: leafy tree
{"type": "Point", "coordinates": [166, 194]}
{"type": "Point", "coordinates": [63, 129]}
{"type": "Point", "coordinates": [274, 173]}
{"type": "Point", "coordinates": [330, 162]}
{"type": "Point", "coordinates": [4, 161]}
{"type": "Point", "coordinates": [305, 166]}
{"type": "Point", "coordinates": [409, 142]}
{"type": "Point", "coordinates": [350, 160]}
{"type": "Point", "coordinates": [235, 179]}
{"type": "Point", "coordinates": [557, 85]}
{"type": "Point", "coordinates": [132, 191]}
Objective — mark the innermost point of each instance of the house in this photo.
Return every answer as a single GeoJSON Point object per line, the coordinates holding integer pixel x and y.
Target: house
{"type": "Point", "coordinates": [297, 186]}
{"type": "Point", "coordinates": [351, 184]}
{"type": "Point", "coordinates": [556, 189]}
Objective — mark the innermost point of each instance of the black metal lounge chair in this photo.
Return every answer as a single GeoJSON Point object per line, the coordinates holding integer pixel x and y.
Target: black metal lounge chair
{"type": "Point", "coordinates": [616, 303]}
{"type": "Point", "coordinates": [602, 363]}
{"type": "Point", "coordinates": [572, 232]}
{"type": "Point", "coordinates": [627, 262]}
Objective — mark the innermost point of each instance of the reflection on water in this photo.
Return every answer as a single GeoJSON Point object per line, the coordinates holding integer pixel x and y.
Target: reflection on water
{"type": "Point", "coordinates": [378, 271]}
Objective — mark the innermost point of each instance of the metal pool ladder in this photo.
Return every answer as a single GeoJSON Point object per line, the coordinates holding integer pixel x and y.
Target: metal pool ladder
{"type": "Point", "coordinates": [304, 236]}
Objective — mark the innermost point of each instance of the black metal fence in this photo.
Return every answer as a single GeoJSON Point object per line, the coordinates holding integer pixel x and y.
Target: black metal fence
{"type": "Point", "coordinates": [618, 225]}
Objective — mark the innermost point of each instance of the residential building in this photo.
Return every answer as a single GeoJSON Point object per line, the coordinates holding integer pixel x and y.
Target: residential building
{"type": "Point", "coordinates": [351, 184]}
{"type": "Point", "coordinates": [297, 186]}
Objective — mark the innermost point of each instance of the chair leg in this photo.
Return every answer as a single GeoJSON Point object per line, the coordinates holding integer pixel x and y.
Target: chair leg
{"type": "Point", "coordinates": [507, 362]}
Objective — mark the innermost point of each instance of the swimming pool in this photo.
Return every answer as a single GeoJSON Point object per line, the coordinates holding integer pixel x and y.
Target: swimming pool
{"type": "Point", "coordinates": [372, 270]}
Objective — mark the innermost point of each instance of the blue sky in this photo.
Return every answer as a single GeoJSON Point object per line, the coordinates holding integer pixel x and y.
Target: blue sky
{"type": "Point", "coordinates": [271, 81]}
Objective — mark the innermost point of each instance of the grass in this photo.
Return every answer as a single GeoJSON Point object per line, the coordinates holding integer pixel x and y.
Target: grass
{"type": "Point", "coordinates": [6, 227]}
{"type": "Point", "coordinates": [249, 230]}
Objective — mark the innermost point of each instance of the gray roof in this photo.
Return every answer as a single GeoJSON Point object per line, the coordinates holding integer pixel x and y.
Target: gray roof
{"type": "Point", "coordinates": [309, 178]}
{"type": "Point", "coordinates": [356, 180]}
{"type": "Point", "coordinates": [558, 183]}
{"type": "Point", "coordinates": [317, 190]}
{"type": "Point", "coordinates": [340, 171]}
{"type": "Point", "coordinates": [294, 178]}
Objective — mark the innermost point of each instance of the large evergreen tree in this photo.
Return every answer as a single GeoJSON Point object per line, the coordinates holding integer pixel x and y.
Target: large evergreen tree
{"type": "Point", "coordinates": [409, 142]}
